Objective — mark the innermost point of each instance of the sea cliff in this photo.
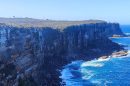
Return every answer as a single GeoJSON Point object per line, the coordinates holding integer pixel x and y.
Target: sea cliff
{"type": "Point", "coordinates": [32, 55]}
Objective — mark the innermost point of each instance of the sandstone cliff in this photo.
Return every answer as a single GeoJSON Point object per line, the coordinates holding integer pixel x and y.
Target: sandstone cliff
{"type": "Point", "coordinates": [32, 55]}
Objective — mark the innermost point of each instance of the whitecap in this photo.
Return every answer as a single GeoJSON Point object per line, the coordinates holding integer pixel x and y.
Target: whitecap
{"type": "Point", "coordinates": [87, 77]}
{"type": "Point", "coordinates": [98, 82]}
{"type": "Point", "coordinates": [93, 63]}
{"type": "Point", "coordinates": [101, 82]}
{"type": "Point", "coordinates": [87, 74]}
{"type": "Point", "coordinates": [129, 51]}
{"type": "Point", "coordinates": [102, 60]}
{"type": "Point", "coordinates": [127, 33]}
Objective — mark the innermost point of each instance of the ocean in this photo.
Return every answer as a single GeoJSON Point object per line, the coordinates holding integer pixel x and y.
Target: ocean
{"type": "Point", "coordinates": [101, 72]}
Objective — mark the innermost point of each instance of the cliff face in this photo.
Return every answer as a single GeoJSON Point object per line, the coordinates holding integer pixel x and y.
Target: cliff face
{"type": "Point", "coordinates": [34, 54]}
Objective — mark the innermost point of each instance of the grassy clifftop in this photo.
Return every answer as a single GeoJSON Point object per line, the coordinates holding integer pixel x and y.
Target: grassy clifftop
{"type": "Point", "coordinates": [29, 22]}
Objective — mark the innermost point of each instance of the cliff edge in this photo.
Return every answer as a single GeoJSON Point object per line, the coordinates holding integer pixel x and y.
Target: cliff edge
{"type": "Point", "coordinates": [32, 55]}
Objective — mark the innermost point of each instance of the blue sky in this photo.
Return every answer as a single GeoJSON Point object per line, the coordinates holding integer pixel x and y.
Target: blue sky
{"type": "Point", "coordinates": [109, 10]}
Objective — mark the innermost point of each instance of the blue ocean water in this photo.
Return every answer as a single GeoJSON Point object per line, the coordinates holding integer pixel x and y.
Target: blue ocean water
{"type": "Point", "coordinates": [100, 72]}
{"type": "Point", "coordinates": [126, 29]}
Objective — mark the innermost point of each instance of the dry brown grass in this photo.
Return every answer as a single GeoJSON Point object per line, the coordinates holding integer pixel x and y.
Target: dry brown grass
{"type": "Point", "coordinates": [29, 22]}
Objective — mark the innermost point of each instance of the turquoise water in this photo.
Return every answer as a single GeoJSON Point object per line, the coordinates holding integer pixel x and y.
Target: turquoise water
{"type": "Point", "coordinates": [100, 72]}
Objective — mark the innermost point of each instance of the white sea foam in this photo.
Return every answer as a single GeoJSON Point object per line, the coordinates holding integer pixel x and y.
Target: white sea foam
{"type": "Point", "coordinates": [87, 77]}
{"type": "Point", "coordinates": [120, 43]}
{"type": "Point", "coordinates": [128, 53]}
{"type": "Point", "coordinates": [93, 63]}
{"type": "Point", "coordinates": [107, 82]}
{"type": "Point", "coordinates": [101, 60]}
{"type": "Point", "coordinates": [66, 74]}
{"type": "Point", "coordinates": [127, 33]}
{"type": "Point", "coordinates": [87, 74]}
{"type": "Point", "coordinates": [98, 82]}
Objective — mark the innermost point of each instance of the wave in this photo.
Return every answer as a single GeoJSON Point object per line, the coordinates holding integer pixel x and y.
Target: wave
{"type": "Point", "coordinates": [127, 33]}
{"type": "Point", "coordinates": [87, 77]}
{"type": "Point", "coordinates": [66, 74]}
{"type": "Point", "coordinates": [128, 53]}
{"type": "Point", "coordinates": [101, 82]}
{"type": "Point", "coordinates": [95, 62]}
{"type": "Point", "coordinates": [91, 65]}
{"type": "Point", "coordinates": [87, 74]}
{"type": "Point", "coordinates": [100, 72]}
{"type": "Point", "coordinates": [97, 82]}
{"type": "Point", "coordinates": [102, 60]}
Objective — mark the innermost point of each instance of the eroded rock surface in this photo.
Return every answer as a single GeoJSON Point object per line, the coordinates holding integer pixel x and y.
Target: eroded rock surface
{"type": "Point", "coordinates": [32, 56]}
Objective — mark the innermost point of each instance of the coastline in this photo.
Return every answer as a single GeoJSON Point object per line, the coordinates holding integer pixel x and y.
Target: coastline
{"type": "Point", "coordinates": [63, 83]}
{"type": "Point", "coordinates": [120, 37]}
{"type": "Point", "coordinates": [44, 51]}
{"type": "Point", "coordinates": [104, 56]}
{"type": "Point", "coordinates": [116, 54]}
{"type": "Point", "coordinates": [107, 54]}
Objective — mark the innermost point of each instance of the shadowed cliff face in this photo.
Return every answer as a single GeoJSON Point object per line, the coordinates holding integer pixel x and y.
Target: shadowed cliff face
{"type": "Point", "coordinates": [35, 54]}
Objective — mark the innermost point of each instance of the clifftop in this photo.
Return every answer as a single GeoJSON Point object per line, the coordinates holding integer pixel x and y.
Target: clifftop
{"type": "Point", "coordinates": [31, 56]}
{"type": "Point", "coordinates": [29, 22]}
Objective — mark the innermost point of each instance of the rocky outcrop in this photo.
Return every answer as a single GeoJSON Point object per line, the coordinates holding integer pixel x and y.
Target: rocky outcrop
{"type": "Point", "coordinates": [120, 53]}
{"type": "Point", "coordinates": [37, 53]}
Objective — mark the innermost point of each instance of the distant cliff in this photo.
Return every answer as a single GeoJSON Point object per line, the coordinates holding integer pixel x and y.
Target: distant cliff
{"type": "Point", "coordinates": [31, 56]}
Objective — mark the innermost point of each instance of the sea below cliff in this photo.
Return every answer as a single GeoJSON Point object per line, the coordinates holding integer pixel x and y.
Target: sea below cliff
{"type": "Point", "coordinates": [100, 72]}
{"type": "Point", "coordinates": [33, 51]}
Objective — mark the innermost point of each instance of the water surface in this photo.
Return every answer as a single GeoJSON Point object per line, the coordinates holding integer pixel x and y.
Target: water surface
{"type": "Point", "coordinates": [100, 72]}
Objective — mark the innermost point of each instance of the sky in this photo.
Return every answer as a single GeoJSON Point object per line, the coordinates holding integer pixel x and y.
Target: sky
{"type": "Point", "coordinates": [108, 10]}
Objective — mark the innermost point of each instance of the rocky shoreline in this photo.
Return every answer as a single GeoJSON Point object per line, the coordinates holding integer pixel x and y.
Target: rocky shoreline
{"type": "Point", "coordinates": [116, 54]}
{"type": "Point", "coordinates": [109, 54]}
{"type": "Point", "coordinates": [96, 55]}
{"type": "Point", "coordinates": [32, 56]}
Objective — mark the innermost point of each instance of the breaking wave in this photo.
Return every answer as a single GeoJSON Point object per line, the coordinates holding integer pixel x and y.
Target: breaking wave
{"type": "Point", "coordinates": [100, 72]}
